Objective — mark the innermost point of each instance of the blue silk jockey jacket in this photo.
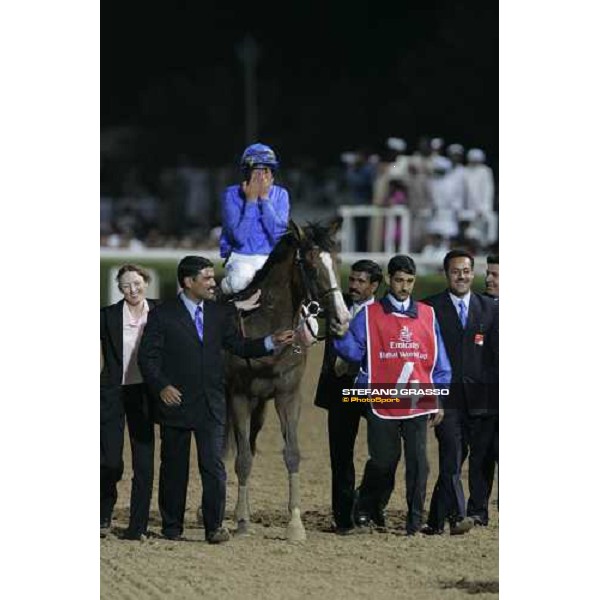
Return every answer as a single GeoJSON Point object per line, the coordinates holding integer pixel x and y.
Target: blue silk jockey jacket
{"type": "Point", "coordinates": [253, 227]}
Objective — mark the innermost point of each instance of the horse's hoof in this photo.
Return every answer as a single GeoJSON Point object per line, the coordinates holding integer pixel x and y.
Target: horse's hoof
{"type": "Point", "coordinates": [295, 532]}
{"type": "Point", "coordinates": [243, 528]}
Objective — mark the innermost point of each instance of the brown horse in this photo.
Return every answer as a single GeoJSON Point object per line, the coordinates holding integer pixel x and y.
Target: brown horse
{"type": "Point", "coordinates": [300, 271]}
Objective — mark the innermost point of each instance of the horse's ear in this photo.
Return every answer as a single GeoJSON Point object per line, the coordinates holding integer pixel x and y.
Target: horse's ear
{"type": "Point", "coordinates": [334, 226]}
{"type": "Point", "coordinates": [297, 231]}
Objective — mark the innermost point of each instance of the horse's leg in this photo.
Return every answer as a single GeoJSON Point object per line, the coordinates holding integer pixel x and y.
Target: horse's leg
{"type": "Point", "coordinates": [241, 414]}
{"type": "Point", "coordinates": [288, 409]}
{"type": "Point", "coordinates": [257, 420]}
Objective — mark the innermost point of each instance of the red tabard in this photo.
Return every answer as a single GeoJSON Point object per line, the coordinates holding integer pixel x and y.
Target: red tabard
{"type": "Point", "coordinates": [402, 351]}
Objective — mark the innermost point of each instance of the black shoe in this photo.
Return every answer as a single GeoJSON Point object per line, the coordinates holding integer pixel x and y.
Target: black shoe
{"type": "Point", "coordinates": [362, 520]}
{"type": "Point", "coordinates": [429, 530]}
{"type": "Point", "coordinates": [352, 530]}
{"type": "Point", "coordinates": [104, 527]}
{"type": "Point", "coordinates": [479, 521]}
{"type": "Point", "coordinates": [413, 525]}
{"type": "Point", "coordinates": [378, 518]}
{"type": "Point", "coordinates": [173, 536]}
{"type": "Point", "coordinates": [461, 527]}
{"type": "Point", "coordinates": [134, 535]}
{"type": "Point", "coordinates": [218, 536]}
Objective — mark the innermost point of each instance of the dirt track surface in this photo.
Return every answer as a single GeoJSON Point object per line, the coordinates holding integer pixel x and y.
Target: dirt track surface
{"type": "Point", "coordinates": [265, 565]}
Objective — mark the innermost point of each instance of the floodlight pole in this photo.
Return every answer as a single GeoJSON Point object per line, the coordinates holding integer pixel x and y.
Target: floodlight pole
{"type": "Point", "coordinates": [248, 54]}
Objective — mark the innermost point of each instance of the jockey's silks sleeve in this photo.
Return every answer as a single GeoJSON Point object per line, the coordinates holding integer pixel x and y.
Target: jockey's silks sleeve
{"type": "Point", "coordinates": [352, 346]}
{"type": "Point", "coordinates": [274, 221]}
{"type": "Point", "coordinates": [253, 227]}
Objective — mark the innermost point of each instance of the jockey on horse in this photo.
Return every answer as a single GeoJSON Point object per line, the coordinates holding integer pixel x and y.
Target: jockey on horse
{"type": "Point", "coordinates": [255, 216]}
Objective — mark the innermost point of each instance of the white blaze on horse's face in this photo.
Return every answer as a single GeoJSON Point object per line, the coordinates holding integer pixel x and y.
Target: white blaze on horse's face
{"type": "Point", "coordinates": [341, 312]}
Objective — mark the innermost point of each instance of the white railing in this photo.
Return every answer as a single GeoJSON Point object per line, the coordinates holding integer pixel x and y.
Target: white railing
{"type": "Point", "coordinates": [490, 224]}
{"type": "Point", "coordinates": [390, 216]}
{"type": "Point", "coordinates": [425, 264]}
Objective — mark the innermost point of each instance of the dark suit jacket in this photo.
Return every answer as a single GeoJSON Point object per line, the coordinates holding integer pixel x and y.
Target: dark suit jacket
{"type": "Point", "coordinates": [474, 366]}
{"type": "Point", "coordinates": [330, 385]}
{"type": "Point", "coordinates": [171, 354]}
{"type": "Point", "coordinates": [111, 339]}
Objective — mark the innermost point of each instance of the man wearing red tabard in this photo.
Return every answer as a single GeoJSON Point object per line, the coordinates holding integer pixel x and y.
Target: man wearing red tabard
{"type": "Point", "coordinates": [398, 344]}
{"type": "Point", "coordinates": [401, 353]}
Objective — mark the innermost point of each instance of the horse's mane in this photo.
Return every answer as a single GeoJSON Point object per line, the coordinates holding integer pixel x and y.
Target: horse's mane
{"type": "Point", "coordinates": [315, 234]}
{"type": "Point", "coordinates": [318, 235]}
{"type": "Point", "coordinates": [278, 255]}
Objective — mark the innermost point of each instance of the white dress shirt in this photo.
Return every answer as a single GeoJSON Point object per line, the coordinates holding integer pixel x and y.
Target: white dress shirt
{"type": "Point", "coordinates": [401, 305]}
{"type": "Point", "coordinates": [455, 300]}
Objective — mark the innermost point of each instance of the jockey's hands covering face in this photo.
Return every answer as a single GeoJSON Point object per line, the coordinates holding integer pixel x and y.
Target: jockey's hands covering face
{"type": "Point", "coordinates": [265, 184]}
{"type": "Point", "coordinates": [259, 185]}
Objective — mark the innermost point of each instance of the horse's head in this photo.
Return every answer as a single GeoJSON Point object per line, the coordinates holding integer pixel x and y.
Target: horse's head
{"type": "Point", "coordinates": [318, 264]}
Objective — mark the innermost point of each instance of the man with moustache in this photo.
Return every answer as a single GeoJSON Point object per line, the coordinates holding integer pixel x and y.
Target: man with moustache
{"type": "Point", "coordinates": [469, 326]}
{"type": "Point", "coordinates": [419, 359]}
{"type": "Point", "coordinates": [182, 362]}
{"type": "Point", "coordinates": [343, 419]}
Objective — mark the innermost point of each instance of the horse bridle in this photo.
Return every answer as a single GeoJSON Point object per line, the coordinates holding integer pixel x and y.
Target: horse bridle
{"type": "Point", "coordinates": [313, 306]}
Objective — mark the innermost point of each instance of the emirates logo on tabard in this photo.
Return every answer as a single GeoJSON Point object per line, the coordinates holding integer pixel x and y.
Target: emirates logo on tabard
{"type": "Point", "coordinates": [405, 335]}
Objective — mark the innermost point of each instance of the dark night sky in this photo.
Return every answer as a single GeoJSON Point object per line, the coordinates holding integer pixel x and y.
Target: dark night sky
{"type": "Point", "coordinates": [330, 77]}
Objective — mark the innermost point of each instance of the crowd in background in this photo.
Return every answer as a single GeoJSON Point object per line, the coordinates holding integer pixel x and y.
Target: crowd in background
{"type": "Point", "coordinates": [450, 203]}
{"type": "Point", "coordinates": [449, 192]}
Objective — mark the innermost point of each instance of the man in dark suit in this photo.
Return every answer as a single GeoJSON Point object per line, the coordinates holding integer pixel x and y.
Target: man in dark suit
{"type": "Point", "coordinates": [182, 360]}
{"type": "Point", "coordinates": [124, 395]}
{"type": "Point", "coordinates": [492, 277]}
{"type": "Point", "coordinates": [492, 290]}
{"type": "Point", "coordinates": [396, 340]}
{"type": "Point", "coordinates": [343, 419]}
{"type": "Point", "coordinates": [469, 326]}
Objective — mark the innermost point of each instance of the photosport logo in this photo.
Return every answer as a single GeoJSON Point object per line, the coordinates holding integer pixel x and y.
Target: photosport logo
{"type": "Point", "coordinates": [392, 395]}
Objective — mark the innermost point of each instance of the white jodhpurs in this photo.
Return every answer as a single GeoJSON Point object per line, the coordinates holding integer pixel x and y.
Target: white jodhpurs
{"type": "Point", "coordinates": [240, 270]}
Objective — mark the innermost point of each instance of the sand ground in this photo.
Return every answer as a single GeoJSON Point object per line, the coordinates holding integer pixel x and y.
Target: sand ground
{"type": "Point", "coordinates": [265, 565]}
